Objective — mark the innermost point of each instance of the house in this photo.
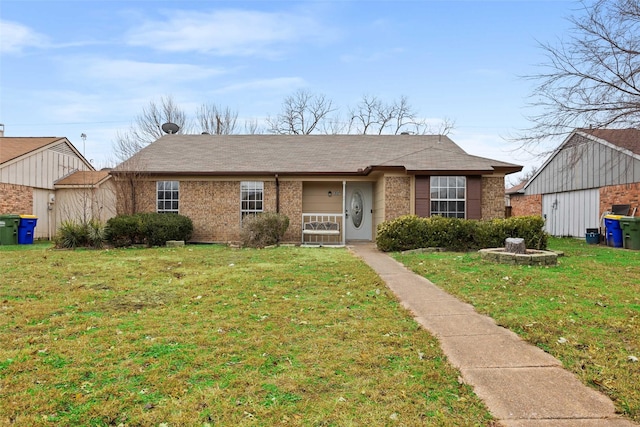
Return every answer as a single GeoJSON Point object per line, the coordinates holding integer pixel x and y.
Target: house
{"type": "Point", "coordinates": [591, 172]}
{"type": "Point", "coordinates": [84, 196]}
{"type": "Point", "coordinates": [48, 177]}
{"type": "Point", "coordinates": [333, 188]}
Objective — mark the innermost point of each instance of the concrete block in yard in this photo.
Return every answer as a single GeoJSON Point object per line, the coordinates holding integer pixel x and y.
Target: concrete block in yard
{"type": "Point", "coordinates": [175, 243]}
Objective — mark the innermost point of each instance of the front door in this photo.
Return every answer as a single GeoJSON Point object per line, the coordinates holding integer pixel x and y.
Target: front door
{"type": "Point", "coordinates": [358, 211]}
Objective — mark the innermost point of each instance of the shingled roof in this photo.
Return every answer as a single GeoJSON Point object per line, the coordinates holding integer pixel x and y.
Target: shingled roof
{"type": "Point", "coordinates": [14, 147]}
{"type": "Point", "coordinates": [306, 154]}
{"type": "Point", "coordinates": [628, 139]}
{"type": "Point", "coordinates": [83, 179]}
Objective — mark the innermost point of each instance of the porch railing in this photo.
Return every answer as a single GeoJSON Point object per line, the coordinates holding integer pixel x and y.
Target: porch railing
{"type": "Point", "coordinates": [322, 229]}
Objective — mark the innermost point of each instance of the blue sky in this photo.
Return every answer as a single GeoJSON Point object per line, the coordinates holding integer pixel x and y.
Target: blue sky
{"type": "Point", "coordinates": [89, 66]}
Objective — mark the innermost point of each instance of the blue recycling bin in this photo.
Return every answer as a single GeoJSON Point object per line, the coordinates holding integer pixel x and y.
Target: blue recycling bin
{"type": "Point", "coordinates": [26, 229]}
{"type": "Point", "coordinates": [614, 232]}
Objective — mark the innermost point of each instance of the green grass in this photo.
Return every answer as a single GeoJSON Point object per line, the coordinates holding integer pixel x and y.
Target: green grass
{"type": "Point", "coordinates": [585, 311]}
{"type": "Point", "coordinates": [207, 335]}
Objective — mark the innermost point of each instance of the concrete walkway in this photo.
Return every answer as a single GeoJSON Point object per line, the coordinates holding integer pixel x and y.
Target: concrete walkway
{"type": "Point", "coordinates": [521, 385]}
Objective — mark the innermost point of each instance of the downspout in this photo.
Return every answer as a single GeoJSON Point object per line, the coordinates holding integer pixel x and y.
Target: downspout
{"type": "Point", "coordinates": [277, 194]}
{"type": "Point", "coordinates": [344, 211]}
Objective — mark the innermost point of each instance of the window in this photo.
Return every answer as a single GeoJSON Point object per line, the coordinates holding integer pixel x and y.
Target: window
{"type": "Point", "coordinates": [448, 196]}
{"type": "Point", "coordinates": [251, 197]}
{"type": "Point", "coordinates": [168, 192]}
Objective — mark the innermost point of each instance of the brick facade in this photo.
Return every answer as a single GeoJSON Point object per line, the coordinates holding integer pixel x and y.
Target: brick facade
{"type": "Point", "coordinates": [291, 206]}
{"type": "Point", "coordinates": [214, 206]}
{"type": "Point", "coordinates": [492, 197]}
{"type": "Point", "coordinates": [522, 205]}
{"type": "Point", "coordinates": [397, 196]}
{"type": "Point", "coordinates": [625, 194]}
{"type": "Point", "coordinates": [16, 199]}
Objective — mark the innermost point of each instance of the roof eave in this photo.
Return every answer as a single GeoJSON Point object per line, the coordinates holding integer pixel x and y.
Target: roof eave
{"type": "Point", "coordinates": [244, 173]}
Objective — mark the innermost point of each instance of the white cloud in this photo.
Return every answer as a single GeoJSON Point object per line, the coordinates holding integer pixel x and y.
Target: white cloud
{"type": "Point", "coordinates": [229, 32]}
{"type": "Point", "coordinates": [134, 71]}
{"type": "Point", "coordinates": [14, 37]}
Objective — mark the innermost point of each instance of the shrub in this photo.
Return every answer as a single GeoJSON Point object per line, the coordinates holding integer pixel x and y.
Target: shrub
{"type": "Point", "coordinates": [264, 229]}
{"type": "Point", "coordinates": [158, 228]}
{"type": "Point", "coordinates": [72, 234]}
{"type": "Point", "coordinates": [124, 230]}
{"type": "Point", "coordinates": [152, 229]}
{"type": "Point", "coordinates": [412, 232]}
{"type": "Point", "coordinates": [403, 233]}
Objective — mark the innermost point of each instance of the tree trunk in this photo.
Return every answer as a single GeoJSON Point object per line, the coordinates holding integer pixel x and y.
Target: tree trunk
{"type": "Point", "coordinates": [515, 245]}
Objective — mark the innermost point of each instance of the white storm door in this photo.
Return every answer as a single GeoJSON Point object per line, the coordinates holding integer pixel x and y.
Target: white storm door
{"type": "Point", "coordinates": [358, 208]}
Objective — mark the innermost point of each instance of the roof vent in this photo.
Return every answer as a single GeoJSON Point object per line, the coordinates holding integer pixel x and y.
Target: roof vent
{"type": "Point", "coordinates": [405, 133]}
{"type": "Point", "coordinates": [1, 130]}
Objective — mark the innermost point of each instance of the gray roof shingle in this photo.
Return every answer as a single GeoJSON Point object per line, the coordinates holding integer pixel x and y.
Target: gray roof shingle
{"type": "Point", "coordinates": [305, 154]}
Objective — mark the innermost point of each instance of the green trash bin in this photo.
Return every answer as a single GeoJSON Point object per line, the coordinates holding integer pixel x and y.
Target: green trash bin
{"type": "Point", "coordinates": [9, 224]}
{"type": "Point", "coordinates": [630, 232]}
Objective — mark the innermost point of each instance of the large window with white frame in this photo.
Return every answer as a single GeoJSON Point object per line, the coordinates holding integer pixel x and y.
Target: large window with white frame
{"type": "Point", "coordinates": [168, 196]}
{"type": "Point", "coordinates": [251, 198]}
{"type": "Point", "coordinates": [448, 196]}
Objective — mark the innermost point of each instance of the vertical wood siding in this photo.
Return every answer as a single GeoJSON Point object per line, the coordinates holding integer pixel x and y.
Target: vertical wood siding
{"type": "Point", "coordinates": [584, 164]}
{"type": "Point", "coordinates": [572, 212]}
{"type": "Point", "coordinates": [42, 169]}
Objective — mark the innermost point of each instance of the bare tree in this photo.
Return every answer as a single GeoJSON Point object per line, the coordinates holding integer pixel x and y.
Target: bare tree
{"type": "Point", "coordinates": [216, 120]}
{"type": "Point", "coordinates": [302, 114]}
{"type": "Point", "coordinates": [523, 177]}
{"type": "Point", "coordinates": [374, 116]}
{"type": "Point", "coordinates": [148, 127]}
{"type": "Point", "coordinates": [591, 79]}
{"type": "Point", "coordinates": [251, 127]}
{"type": "Point", "coordinates": [334, 126]}
{"type": "Point", "coordinates": [368, 116]}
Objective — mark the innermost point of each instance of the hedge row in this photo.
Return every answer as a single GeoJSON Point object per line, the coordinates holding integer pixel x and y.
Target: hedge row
{"type": "Point", "coordinates": [151, 229]}
{"type": "Point", "coordinates": [454, 234]}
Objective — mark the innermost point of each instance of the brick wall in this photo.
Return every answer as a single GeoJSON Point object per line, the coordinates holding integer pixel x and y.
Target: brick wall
{"type": "Point", "coordinates": [16, 199]}
{"type": "Point", "coordinates": [291, 206]}
{"type": "Point", "coordinates": [625, 194]}
{"type": "Point", "coordinates": [397, 193]}
{"type": "Point", "coordinates": [522, 205]}
{"type": "Point", "coordinates": [492, 197]}
{"type": "Point", "coordinates": [214, 207]}
{"type": "Point", "coordinates": [144, 195]}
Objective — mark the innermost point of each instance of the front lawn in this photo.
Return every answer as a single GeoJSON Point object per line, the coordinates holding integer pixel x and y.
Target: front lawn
{"type": "Point", "coordinates": [585, 311]}
{"type": "Point", "coordinates": [207, 335]}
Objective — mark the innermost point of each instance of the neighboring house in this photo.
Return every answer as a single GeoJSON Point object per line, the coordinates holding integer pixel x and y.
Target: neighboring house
{"type": "Point", "coordinates": [85, 195]}
{"type": "Point", "coordinates": [335, 188]}
{"type": "Point", "coordinates": [592, 171]}
{"type": "Point", "coordinates": [33, 171]}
